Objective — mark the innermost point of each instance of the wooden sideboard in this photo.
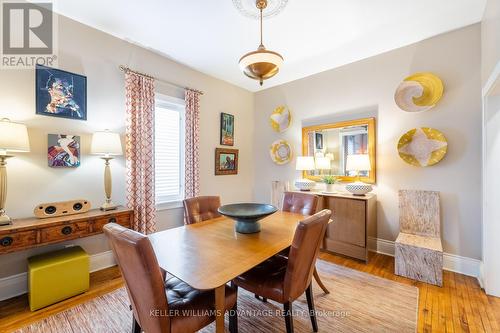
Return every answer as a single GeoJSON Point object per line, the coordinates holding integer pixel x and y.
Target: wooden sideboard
{"type": "Point", "coordinates": [354, 220]}
{"type": "Point", "coordinates": [33, 232]}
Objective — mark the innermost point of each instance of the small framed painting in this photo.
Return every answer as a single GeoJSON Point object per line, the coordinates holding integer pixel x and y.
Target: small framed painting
{"type": "Point", "coordinates": [226, 161]}
{"type": "Point", "coordinates": [226, 129]}
{"type": "Point", "coordinates": [60, 93]}
{"type": "Point", "coordinates": [63, 151]}
{"type": "Point", "coordinates": [319, 141]}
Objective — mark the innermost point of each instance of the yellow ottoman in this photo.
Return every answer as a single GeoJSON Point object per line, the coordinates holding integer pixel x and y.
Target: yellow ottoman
{"type": "Point", "coordinates": [55, 276]}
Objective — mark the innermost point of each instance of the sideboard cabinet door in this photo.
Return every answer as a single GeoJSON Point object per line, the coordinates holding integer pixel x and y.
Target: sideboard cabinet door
{"type": "Point", "coordinates": [348, 224]}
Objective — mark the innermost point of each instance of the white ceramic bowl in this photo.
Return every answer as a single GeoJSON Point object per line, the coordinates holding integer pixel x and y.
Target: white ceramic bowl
{"type": "Point", "coordinates": [358, 188]}
{"type": "Point", "coordinates": [305, 184]}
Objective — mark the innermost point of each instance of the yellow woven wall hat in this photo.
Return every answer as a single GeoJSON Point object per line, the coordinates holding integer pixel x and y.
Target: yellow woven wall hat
{"type": "Point", "coordinates": [419, 92]}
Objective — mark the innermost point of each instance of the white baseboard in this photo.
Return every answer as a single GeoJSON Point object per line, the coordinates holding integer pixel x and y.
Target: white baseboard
{"type": "Point", "coordinates": [16, 285]}
{"type": "Point", "coordinates": [451, 262]}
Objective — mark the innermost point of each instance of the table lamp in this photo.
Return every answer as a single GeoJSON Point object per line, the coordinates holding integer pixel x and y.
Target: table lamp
{"type": "Point", "coordinates": [323, 163]}
{"type": "Point", "coordinates": [304, 163]}
{"type": "Point", "coordinates": [13, 139]}
{"type": "Point", "coordinates": [358, 162]}
{"type": "Point", "coordinates": [107, 144]}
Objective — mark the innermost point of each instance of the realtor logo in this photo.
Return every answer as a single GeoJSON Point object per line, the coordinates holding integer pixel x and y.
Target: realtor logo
{"type": "Point", "coordinates": [27, 34]}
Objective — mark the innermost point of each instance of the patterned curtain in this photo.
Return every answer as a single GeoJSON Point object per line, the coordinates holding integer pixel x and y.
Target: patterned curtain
{"type": "Point", "coordinates": [192, 142]}
{"type": "Point", "coordinates": [140, 102]}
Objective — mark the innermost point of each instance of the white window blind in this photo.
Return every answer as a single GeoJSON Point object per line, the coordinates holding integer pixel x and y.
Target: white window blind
{"type": "Point", "coordinates": [169, 151]}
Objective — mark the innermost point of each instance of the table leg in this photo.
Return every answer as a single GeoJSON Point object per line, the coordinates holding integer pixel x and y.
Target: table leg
{"type": "Point", "coordinates": [219, 308]}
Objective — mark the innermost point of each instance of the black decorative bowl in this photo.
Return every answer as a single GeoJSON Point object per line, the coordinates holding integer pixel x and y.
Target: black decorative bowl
{"type": "Point", "coordinates": [247, 215]}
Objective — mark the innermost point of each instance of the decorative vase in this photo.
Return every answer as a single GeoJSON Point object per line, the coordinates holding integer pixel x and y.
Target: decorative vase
{"type": "Point", "coordinates": [358, 188]}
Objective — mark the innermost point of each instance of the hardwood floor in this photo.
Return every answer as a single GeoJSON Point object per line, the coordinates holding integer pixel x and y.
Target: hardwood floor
{"type": "Point", "coordinates": [460, 306]}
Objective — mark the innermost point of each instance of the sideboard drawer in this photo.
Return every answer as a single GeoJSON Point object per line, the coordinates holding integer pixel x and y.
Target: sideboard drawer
{"type": "Point", "coordinates": [123, 220]}
{"type": "Point", "coordinates": [11, 242]}
{"type": "Point", "coordinates": [64, 231]}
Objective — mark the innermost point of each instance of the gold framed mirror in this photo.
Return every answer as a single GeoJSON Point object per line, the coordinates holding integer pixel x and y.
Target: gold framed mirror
{"type": "Point", "coordinates": [330, 144]}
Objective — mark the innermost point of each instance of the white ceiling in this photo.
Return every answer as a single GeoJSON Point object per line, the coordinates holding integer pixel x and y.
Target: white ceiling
{"type": "Point", "coordinates": [312, 35]}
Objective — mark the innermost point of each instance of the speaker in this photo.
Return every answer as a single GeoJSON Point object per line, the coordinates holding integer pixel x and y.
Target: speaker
{"type": "Point", "coordinates": [61, 208]}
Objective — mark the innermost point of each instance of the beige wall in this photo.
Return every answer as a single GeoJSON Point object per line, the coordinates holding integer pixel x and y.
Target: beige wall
{"type": "Point", "coordinates": [366, 88]}
{"type": "Point", "coordinates": [97, 55]}
{"type": "Point", "coordinates": [490, 39]}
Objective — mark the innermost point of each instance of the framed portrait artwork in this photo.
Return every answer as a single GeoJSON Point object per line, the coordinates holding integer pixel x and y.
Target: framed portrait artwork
{"type": "Point", "coordinates": [226, 161]}
{"type": "Point", "coordinates": [226, 129]}
{"type": "Point", "coordinates": [63, 151]}
{"type": "Point", "coordinates": [319, 141]}
{"type": "Point", "coordinates": [60, 93]}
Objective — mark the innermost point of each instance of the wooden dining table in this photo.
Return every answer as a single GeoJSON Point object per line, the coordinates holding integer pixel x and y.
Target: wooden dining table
{"type": "Point", "coordinates": [207, 255]}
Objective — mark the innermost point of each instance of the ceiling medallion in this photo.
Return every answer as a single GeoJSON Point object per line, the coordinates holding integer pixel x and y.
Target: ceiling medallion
{"type": "Point", "coordinates": [261, 64]}
{"type": "Point", "coordinates": [248, 8]}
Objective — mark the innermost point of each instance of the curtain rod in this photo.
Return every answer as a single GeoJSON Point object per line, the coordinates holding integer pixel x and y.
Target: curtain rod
{"type": "Point", "coordinates": [126, 69]}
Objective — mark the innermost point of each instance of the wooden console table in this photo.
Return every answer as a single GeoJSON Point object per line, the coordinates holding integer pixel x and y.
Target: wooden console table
{"type": "Point", "coordinates": [33, 232]}
{"type": "Point", "coordinates": [354, 220]}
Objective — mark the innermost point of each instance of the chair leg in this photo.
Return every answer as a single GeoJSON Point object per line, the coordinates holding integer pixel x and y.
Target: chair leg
{"type": "Point", "coordinates": [318, 280]}
{"type": "Point", "coordinates": [288, 317]}
{"type": "Point", "coordinates": [135, 326]}
{"type": "Point", "coordinates": [312, 310]}
{"type": "Point", "coordinates": [233, 314]}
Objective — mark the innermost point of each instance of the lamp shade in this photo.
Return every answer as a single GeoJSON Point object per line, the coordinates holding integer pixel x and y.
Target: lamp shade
{"type": "Point", "coordinates": [305, 163]}
{"type": "Point", "coordinates": [358, 162]}
{"type": "Point", "coordinates": [323, 163]}
{"type": "Point", "coordinates": [107, 143]}
{"type": "Point", "coordinates": [13, 137]}
{"type": "Point", "coordinates": [261, 64]}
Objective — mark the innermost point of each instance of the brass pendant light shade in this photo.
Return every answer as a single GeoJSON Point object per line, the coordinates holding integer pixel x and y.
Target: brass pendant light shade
{"type": "Point", "coordinates": [261, 64]}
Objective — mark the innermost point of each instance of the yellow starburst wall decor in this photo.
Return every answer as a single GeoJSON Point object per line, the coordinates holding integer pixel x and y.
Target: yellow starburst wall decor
{"type": "Point", "coordinates": [281, 152]}
{"type": "Point", "coordinates": [419, 92]}
{"type": "Point", "coordinates": [422, 147]}
{"type": "Point", "coordinates": [280, 119]}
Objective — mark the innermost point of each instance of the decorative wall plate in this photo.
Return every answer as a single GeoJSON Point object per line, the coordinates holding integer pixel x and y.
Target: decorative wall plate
{"type": "Point", "coordinates": [419, 92]}
{"type": "Point", "coordinates": [422, 146]}
{"type": "Point", "coordinates": [280, 119]}
{"type": "Point", "coordinates": [281, 152]}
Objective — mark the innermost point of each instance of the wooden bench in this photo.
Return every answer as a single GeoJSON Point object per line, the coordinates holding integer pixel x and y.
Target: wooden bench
{"type": "Point", "coordinates": [418, 248]}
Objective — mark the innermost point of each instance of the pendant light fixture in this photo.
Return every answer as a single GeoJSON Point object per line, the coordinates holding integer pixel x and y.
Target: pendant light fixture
{"type": "Point", "coordinates": [261, 64]}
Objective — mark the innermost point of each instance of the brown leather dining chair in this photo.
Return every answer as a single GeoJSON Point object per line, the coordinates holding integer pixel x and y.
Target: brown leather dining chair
{"type": "Point", "coordinates": [283, 279]}
{"type": "Point", "coordinates": [159, 305]}
{"type": "Point", "coordinates": [201, 208]}
{"type": "Point", "coordinates": [305, 204]}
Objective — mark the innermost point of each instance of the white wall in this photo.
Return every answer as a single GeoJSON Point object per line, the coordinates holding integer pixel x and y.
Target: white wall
{"type": "Point", "coordinates": [367, 88]}
{"type": "Point", "coordinates": [97, 55]}
{"type": "Point", "coordinates": [490, 38]}
{"type": "Point", "coordinates": [491, 226]}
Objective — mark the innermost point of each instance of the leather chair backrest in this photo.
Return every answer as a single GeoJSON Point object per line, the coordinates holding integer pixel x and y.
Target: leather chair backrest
{"type": "Point", "coordinates": [301, 203]}
{"type": "Point", "coordinates": [201, 208]}
{"type": "Point", "coordinates": [143, 277]}
{"type": "Point", "coordinates": [303, 253]}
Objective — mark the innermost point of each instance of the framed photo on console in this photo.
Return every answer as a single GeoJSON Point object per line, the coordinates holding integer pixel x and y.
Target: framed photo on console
{"type": "Point", "coordinates": [60, 93]}
{"type": "Point", "coordinates": [226, 161]}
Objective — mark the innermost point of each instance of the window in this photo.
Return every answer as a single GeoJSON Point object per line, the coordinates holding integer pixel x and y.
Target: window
{"type": "Point", "coordinates": [169, 150]}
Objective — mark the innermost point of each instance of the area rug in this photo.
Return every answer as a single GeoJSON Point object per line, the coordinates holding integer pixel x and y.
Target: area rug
{"type": "Point", "coordinates": [358, 302]}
